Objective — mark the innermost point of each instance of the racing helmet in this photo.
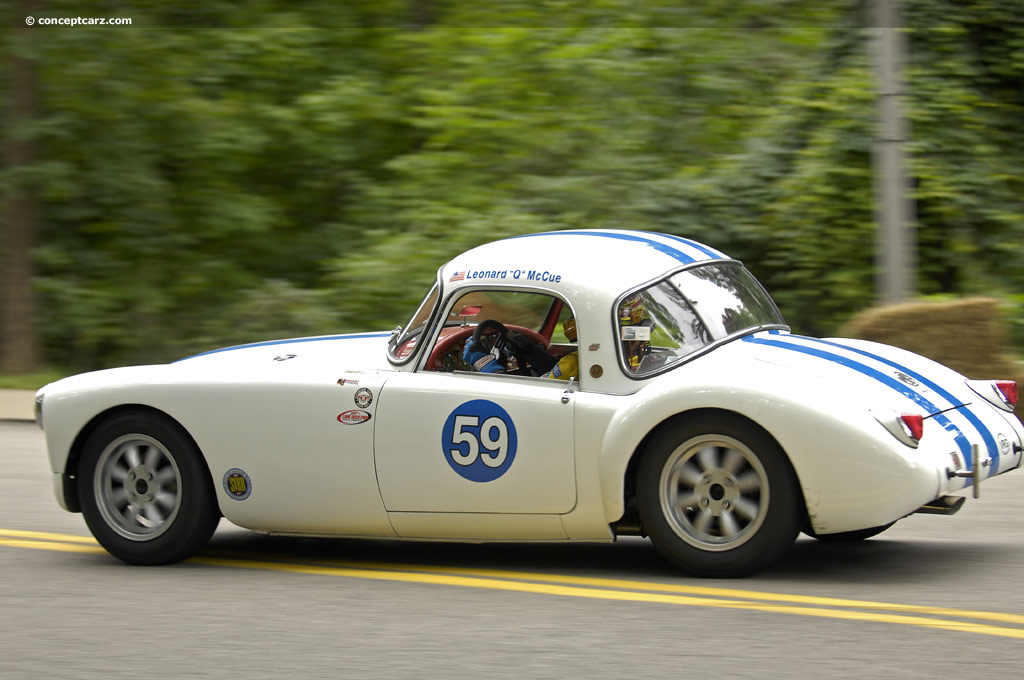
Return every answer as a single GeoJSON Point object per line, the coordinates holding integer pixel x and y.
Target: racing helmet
{"type": "Point", "coordinates": [631, 311]}
{"type": "Point", "coordinates": [569, 328]}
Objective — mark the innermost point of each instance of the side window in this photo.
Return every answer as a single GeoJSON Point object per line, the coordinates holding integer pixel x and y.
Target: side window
{"type": "Point", "coordinates": [500, 331]}
{"type": "Point", "coordinates": [672, 319]}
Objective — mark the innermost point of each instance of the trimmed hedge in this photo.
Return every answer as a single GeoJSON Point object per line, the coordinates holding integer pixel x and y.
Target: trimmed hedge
{"type": "Point", "coordinates": [967, 335]}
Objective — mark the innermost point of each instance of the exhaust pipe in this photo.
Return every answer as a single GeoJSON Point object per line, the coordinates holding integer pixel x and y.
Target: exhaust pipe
{"type": "Point", "coordinates": [943, 505]}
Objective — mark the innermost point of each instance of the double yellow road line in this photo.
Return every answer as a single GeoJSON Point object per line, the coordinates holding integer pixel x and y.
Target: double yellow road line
{"type": "Point", "coordinates": [622, 590]}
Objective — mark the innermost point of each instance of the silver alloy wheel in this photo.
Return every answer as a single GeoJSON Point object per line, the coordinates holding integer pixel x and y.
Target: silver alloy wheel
{"type": "Point", "coordinates": [138, 487]}
{"type": "Point", "coordinates": [714, 492]}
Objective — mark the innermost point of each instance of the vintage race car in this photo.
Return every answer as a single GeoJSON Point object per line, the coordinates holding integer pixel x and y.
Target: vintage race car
{"type": "Point", "coordinates": [567, 386]}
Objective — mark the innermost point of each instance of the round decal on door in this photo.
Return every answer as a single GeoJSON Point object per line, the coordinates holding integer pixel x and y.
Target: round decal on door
{"type": "Point", "coordinates": [479, 440]}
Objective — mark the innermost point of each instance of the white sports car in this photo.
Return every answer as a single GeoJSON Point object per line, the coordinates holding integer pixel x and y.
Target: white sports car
{"type": "Point", "coordinates": [684, 410]}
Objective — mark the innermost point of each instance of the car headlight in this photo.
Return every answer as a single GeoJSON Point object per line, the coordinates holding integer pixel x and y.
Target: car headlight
{"type": "Point", "coordinates": [39, 409]}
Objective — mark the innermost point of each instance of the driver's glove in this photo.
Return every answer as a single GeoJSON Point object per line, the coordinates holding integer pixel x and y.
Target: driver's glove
{"type": "Point", "coordinates": [484, 362]}
{"type": "Point", "coordinates": [540, 361]}
{"type": "Point", "coordinates": [521, 341]}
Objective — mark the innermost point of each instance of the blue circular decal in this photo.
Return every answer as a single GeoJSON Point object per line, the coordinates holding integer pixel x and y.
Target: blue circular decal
{"type": "Point", "coordinates": [479, 440]}
{"type": "Point", "coordinates": [237, 484]}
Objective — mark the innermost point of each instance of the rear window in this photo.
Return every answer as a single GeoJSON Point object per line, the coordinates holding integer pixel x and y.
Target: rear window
{"type": "Point", "coordinates": [662, 324]}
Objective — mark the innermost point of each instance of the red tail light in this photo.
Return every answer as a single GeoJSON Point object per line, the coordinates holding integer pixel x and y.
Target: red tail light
{"type": "Point", "coordinates": [914, 423]}
{"type": "Point", "coordinates": [1009, 391]}
{"type": "Point", "coordinates": [906, 427]}
{"type": "Point", "coordinates": [1000, 393]}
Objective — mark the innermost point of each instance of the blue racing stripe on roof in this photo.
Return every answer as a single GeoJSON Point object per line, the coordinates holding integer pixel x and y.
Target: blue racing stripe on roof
{"type": "Point", "coordinates": [657, 245]}
{"type": "Point", "coordinates": [271, 343]}
{"type": "Point", "coordinates": [932, 409]}
{"type": "Point", "coordinates": [714, 255]}
{"type": "Point", "coordinates": [990, 441]}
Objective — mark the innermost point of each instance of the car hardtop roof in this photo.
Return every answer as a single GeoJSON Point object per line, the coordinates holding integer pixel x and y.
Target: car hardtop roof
{"type": "Point", "coordinates": [576, 261]}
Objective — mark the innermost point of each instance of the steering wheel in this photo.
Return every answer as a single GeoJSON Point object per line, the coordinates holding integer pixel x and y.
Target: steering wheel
{"type": "Point", "coordinates": [451, 345]}
{"type": "Point", "coordinates": [482, 332]}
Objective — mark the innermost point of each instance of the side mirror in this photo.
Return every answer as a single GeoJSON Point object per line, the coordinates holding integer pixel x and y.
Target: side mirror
{"type": "Point", "coordinates": [394, 335]}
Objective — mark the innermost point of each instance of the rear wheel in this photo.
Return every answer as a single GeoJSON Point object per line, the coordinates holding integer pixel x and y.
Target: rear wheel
{"type": "Point", "coordinates": [717, 496]}
{"type": "Point", "coordinates": [146, 491]}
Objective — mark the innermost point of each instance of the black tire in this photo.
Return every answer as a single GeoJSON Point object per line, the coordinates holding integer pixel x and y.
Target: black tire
{"type": "Point", "coordinates": [848, 536]}
{"type": "Point", "coordinates": [718, 497]}
{"type": "Point", "coordinates": [145, 489]}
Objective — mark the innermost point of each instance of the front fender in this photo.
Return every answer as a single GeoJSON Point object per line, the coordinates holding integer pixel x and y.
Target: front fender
{"type": "Point", "coordinates": [69, 405]}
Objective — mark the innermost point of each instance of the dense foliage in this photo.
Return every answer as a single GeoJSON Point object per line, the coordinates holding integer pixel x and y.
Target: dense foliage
{"type": "Point", "coordinates": [243, 170]}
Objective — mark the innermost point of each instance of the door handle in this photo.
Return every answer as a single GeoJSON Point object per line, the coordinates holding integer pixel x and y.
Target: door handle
{"type": "Point", "coordinates": [568, 390]}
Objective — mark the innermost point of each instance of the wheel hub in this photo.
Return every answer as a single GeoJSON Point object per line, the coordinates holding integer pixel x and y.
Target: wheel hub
{"type": "Point", "coordinates": [717, 491]}
{"type": "Point", "coordinates": [714, 492]}
{"type": "Point", "coordinates": [138, 487]}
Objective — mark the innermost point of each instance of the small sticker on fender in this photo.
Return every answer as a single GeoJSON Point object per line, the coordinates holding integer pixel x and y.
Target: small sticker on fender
{"type": "Point", "coordinates": [237, 484]}
{"type": "Point", "coordinates": [353, 417]}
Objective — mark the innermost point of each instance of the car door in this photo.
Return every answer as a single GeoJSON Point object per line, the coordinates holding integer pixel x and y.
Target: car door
{"type": "Point", "coordinates": [475, 443]}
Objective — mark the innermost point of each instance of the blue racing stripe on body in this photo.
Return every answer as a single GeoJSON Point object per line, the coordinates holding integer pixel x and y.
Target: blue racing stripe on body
{"type": "Point", "coordinates": [271, 343]}
{"type": "Point", "coordinates": [990, 441]}
{"type": "Point", "coordinates": [932, 409]}
{"type": "Point", "coordinates": [660, 247]}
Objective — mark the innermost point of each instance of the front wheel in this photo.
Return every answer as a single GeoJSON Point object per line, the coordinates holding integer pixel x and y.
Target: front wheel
{"type": "Point", "coordinates": [146, 491]}
{"type": "Point", "coordinates": [717, 496]}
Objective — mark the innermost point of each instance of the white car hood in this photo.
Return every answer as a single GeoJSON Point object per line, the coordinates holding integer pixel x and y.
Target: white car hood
{"type": "Point", "coordinates": [354, 352]}
{"type": "Point", "coordinates": [279, 361]}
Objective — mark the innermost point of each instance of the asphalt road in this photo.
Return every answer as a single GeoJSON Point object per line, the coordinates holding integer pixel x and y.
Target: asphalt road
{"type": "Point", "coordinates": [932, 597]}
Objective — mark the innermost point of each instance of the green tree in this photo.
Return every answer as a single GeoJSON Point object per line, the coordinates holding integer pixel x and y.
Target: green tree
{"type": "Point", "coordinates": [218, 172]}
{"type": "Point", "coordinates": [19, 351]}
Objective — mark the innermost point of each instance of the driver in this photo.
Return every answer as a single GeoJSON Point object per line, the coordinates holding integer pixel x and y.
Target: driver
{"type": "Point", "coordinates": [523, 350]}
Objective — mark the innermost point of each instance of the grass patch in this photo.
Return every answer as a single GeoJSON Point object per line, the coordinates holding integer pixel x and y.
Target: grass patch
{"type": "Point", "coordinates": [29, 381]}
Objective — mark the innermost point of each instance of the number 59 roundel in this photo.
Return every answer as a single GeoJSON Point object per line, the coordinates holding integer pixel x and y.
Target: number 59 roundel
{"type": "Point", "coordinates": [479, 440]}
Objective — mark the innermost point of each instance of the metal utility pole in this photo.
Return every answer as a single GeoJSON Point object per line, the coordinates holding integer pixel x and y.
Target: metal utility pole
{"type": "Point", "coordinates": [896, 242]}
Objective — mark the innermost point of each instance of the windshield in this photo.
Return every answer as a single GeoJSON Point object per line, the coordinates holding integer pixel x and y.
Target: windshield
{"type": "Point", "coordinates": [671, 319]}
{"type": "Point", "coordinates": [402, 344]}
